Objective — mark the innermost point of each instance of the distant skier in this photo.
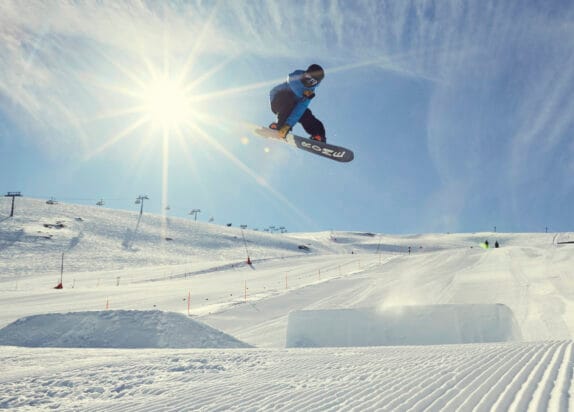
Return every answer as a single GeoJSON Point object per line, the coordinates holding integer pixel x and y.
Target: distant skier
{"type": "Point", "coordinates": [290, 101]}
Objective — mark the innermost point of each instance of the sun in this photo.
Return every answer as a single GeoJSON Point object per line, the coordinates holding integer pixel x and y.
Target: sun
{"type": "Point", "coordinates": [165, 103]}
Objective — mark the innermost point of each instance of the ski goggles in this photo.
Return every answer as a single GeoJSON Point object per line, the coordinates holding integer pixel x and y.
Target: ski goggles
{"type": "Point", "coordinates": [309, 80]}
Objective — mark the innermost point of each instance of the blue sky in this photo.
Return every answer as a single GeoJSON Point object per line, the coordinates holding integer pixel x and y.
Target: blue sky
{"type": "Point", "coordinates": [460, 113]}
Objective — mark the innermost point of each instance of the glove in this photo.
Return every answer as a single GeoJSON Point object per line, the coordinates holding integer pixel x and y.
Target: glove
{"type": "Point", "coordinates": [309, 94]}
{"type": "Point", "coordinates": [283, 131]}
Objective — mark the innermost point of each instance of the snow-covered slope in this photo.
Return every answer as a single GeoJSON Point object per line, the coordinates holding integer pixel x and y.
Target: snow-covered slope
{"type": "Point", "coordinates": [333, 288]}
{"type": "Point", "coordinates": [499, 377]}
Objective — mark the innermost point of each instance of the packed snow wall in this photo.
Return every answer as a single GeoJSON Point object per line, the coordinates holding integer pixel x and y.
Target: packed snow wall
{"type": "Point", "coordinates": [402, 325]}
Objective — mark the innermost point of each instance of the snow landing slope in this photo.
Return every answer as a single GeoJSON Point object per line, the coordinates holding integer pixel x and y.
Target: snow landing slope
{"type": "Point", "coordinates": [400, 284]}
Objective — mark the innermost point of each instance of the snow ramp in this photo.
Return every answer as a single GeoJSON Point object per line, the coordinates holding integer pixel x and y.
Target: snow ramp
{"type": "Point", "coordinates": [115, 329]}
{"type": "Point", "coordinates": [402, 325]}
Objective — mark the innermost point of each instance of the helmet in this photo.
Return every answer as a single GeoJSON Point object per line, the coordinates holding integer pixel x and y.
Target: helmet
{"type": "Point", "coordinates": [313, 75]}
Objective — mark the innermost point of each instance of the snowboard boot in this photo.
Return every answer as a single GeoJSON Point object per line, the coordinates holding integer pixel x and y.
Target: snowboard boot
{"type": "Point", "coordinates": [282, 131]}
{"type": "Point", "coordinates": [318, 138]}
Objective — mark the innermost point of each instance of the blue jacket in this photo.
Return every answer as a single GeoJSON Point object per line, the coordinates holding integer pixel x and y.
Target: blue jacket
{"type": "Point", "coordinates": [296, 86]}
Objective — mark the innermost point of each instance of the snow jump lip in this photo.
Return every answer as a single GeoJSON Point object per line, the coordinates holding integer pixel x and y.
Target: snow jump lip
{"type": "Point", "coordinates": [403, 325]}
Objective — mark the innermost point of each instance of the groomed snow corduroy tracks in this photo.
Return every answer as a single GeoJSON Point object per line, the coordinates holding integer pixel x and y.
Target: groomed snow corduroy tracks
{"type": "Point", "coordinates": [509, 376]}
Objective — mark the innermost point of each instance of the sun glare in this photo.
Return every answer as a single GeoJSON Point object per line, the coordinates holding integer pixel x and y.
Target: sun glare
{"type": "Point", "coordinates": [165, 103]}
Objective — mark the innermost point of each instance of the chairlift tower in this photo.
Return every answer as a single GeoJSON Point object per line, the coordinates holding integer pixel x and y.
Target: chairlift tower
{"type": "Point", "coordinates": [13, 195]}
{"type": "Point", "coordinates": [140, 201]}
{"type": "Point", "coordinates": [194, 212]}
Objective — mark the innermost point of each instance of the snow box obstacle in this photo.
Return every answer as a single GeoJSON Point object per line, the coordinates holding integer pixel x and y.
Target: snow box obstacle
{"type": "Point", "coordinates": [402, 325]}
{"type": "Point", "coordinates": [115, 329]}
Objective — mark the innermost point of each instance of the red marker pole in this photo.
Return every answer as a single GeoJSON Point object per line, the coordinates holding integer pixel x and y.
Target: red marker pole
{"type": "Point", "coordinates": [61, 284]}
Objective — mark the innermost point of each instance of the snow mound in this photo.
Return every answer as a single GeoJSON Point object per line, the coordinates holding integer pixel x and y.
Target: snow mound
{"type": "Point", "coordinates": [402, 325]}
{"type": "Point", "coordinates": [115, 329]}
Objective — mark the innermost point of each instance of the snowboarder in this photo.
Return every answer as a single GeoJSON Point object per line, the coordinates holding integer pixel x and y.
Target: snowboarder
{"type": "Point", "coordinates": [290, 101]}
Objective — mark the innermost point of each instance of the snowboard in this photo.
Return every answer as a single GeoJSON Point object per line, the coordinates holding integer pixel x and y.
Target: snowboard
{"type": "Point", "coordinates": [337, 153]}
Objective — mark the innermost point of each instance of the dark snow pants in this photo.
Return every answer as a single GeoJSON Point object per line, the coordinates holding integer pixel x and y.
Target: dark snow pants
{"type": "Point", "coordinates": [283, 104]}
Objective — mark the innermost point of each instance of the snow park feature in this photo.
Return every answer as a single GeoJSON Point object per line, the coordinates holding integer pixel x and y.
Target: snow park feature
{"type": "Point", "coordinates": [354, 321]}
{"type": "Point", "coordinates": [115, 329]}
{"type": "Point", "coordinates": [402, 325]}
